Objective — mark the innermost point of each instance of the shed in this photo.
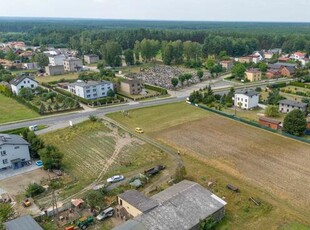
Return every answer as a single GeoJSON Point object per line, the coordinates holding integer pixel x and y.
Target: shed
{"type": "Point", "coordinates": [23, 223]}
{"type": "Point", "coordinates": [77, 203]}
{"type": "Point", "coordinates": [270, 123]}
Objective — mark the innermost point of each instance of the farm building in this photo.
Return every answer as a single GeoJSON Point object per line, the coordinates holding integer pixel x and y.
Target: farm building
{"type": "Point", "coordinates": [246, 100]}
{"type": "Point", "coordinates": [270, 123]}
{"type": "Point", "coordinates": [286, 106]}
{"type": "Point", "coordinates": [181, 207]}
{"type": "Point", "coordinates": [23, 223]}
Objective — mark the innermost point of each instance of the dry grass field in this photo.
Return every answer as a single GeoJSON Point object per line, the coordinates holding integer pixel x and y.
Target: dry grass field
{"type": "Point", "coordinates": [269, 167]}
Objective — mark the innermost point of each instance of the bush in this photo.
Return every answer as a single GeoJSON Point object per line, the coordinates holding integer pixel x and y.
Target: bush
{"type": "Point", "coordinates": [162, 91]}
{"type": "Point", "coordinates": [93, 118]}
{"type": "Point", "coordinates": [295, 123]}
{"type": "Point", "coordinates": [34, 190]}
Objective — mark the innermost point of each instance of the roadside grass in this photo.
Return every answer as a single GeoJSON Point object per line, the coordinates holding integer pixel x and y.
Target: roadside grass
{"type": "Point", "coordinates": [11, 110]}
{"type": "Point", "coordinates": [151, 93]}
{"type": "Point", "coordinates": [20, 130]}
{"type": "Point", "coordinates": [46, 79]}
{"type": "Point", "coordinates": [156, 118]}
{"type": "Point", "coordinates": [88, 146]}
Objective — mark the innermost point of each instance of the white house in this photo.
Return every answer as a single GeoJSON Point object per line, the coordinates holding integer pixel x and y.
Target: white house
{"type": "Point", "coordinates": [91, 89]}
{"type": "Point", "coordinates": [246, 100]}
{"type": "Point", "coordinates": [56, 60]}
{"type": "Point", "coordinates": [14, 151]}
{"type": "Point", "coordinates": [22, 82]}
{"type": "Point", "coordinates": [259, 54]}
{"type": "Point", "coordinates": [297, 56]}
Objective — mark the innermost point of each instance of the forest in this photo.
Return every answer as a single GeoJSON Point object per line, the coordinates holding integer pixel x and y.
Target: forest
{"type": "Point", "coordinates": [193, 40]}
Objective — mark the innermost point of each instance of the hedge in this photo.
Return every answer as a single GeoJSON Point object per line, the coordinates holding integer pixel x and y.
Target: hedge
{"type": "Point", "coordinates": [277, 85]}
{"type": "Point", "coordinates": [300, 84]}
{"type": "Point", "coordinates": [162, 91]}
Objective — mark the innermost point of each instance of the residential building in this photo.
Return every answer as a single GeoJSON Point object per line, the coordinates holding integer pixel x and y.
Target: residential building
{"type": "Point", "coordinates": [72, 64]}
{"type": "Point", "coordinates": [283, 59]}
{"type": "Point", "coordinates": [268, 55]}
{"type": "Point", "coordinates": [56, 60]}
{"type": "Point", "coordinates": [54, 70]}
{"type": "Point", "coordinates": [253, 75]}
{"type": "Point", "coordinates": [14, 151]}
{"type": "Point", "coordinates": [255, 58]}
{"type": "Point", "coordinates": [23, 223]}
{"type": "Point", "coordinates": [287, 71]}
{"type": "Point", "coordinates": [91, 58]}
{"type": "Point", "coordinates": [286, 106]}
{"type": "Point", "coordinates": [227, 64]}
{"type": "Point", "coordinates": [304, 61]}
{"type": "Point", "coordinates": [91, 89]}
{"type": "Point", "coordinates": [22, 81]}
{"type": "Point", "coordinates": [247, 59]}
{"type": "Point", "coordinates": [132, 86]}
{"type": "Point", "coordinates": [33, 65]}
{"type": "Point", "coordinates": [181, 207]}
{"type": "Point", "coordinates": [259, 54]}
{"type": "Point", "coordinates": [273, 73]}
{"type": "Point", "coordinates": [246, 100]}
{"type": "Point", "coordinates": [270, 123]}
{"type": "Point", "coordinates": [297, 56]}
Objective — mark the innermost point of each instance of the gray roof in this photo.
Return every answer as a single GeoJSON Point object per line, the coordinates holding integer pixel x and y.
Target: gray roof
{"type": "Point", "coordinates": [23, 223]}
{"type": "Point", "coordinates": [184, 205]}
{"type": "Point", "coordinates": [248, 93]}
{"type": "Point", "coordinates": [293, 103]}
{"type": "Point", "coordinates": [89, 83]}
{"type": "Point", "coordinates": [279, 64]}
{"type": "Point", "coordinates": [11, 139]}
{"type": "Point", "coordinates": [181, 207]}
{"type": "Point", "coordinates": [138, 200]}
{"type": "Point", "coordinates": [131, 225]}
{"type": "Point", "coordinates": [19, 79]}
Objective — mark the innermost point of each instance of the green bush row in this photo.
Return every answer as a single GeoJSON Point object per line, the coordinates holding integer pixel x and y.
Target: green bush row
{"type": "Point", "coordinates": [162, 91]}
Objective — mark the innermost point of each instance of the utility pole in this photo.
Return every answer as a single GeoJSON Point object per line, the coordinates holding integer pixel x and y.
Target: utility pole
{"type": "Point", "coordinates": [55, 208]}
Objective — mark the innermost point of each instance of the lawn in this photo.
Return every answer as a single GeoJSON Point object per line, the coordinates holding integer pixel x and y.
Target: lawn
{"type": "Point", "coordinates": [95, 151]}
{"type": "Point", "coordinates": [263, 165]}
{"type": "Point", "coordinates": [46, 79]}
{"type": "Point", "coordinates": [11, 110]}
{"type": "Point", "coordinates": [157, 118]}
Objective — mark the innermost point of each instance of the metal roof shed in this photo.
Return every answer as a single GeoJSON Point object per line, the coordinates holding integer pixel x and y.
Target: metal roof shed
{"type": "Point", "coordinates": [23, 223]}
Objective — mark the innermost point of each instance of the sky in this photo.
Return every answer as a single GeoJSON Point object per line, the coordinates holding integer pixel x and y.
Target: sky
{"type": "Point", "coordinates": [185, 10]}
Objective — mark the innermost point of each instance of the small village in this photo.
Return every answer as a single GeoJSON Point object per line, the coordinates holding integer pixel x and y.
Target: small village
{"type": "Point", "coordinates": [152, 140]}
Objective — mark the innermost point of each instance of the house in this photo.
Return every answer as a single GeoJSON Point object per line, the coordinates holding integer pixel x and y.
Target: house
{"type": "Point", "coordinates": [182, 207]}
{"type": "Point", "coordinates": [246, 100]}
{"type": "Point", "coordinates": [227, 64]}
{"type": "Point", "coordinates": [14, 151]}
{"type": "Point", "coordinates": [268, 55]}
{"type": "Point", "coordinates": [54, 70]}
{"type": "Point", "coordinates": [287, 71]}
{"type": "Point", "coordinates": [253, 75]}
{"type": "Point", "coordinates": [56, 60]}
{"type": "Point", "coordinates": [270, 123]}
{"type": "Point", "coordinates": [22, 81]}
{"type": "Point", "coordinates": [260, 55]}
{"type": "Point", "coordinates": [297, 56]}
{"type": "Point", "coordinates": [91, 89]}
{"type": "Point", "coordinates": [91, 58]}
{"type": "Point", "coordinates": [255, 58]}
{"type": "Point", "coordinates": [273, 73]}
{"type": "Point", "coordinates": [33, 65]}
{"type": "Point", "coordinates": [286, 106]}
{"type": "Point", "coordinates": [247, 59]}
{"type": "Point", "coordinates": [283, 59]}
{"type": "Point", "coordinates": [132, 86]}
{"type": "Point", "coordinates": [23, 223]}
{"type": "Point", "coordinates": [72, 64]}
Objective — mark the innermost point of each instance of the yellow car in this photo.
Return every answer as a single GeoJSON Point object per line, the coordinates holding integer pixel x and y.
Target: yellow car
{"type": "Point", "coordinates": [139, 130]}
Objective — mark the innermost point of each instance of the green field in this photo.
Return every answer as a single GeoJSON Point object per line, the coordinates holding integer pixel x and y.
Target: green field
{"type": "Point", "coordinates": [95, 151]}
{"type": "Point", "coordinates": [157, 118]}
{"type": "Point", "coordinates": [46, 79]}
{"type": "Point", "coordinates": [11, 110]}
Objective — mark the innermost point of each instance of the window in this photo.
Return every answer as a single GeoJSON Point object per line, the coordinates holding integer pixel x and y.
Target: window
{"type": "Point", "coordinates": [16, 147]}
{"type": "Point", "coordinates": [5, 161]}
{"type": "Point", "coordinates": [3, 153]}
{"type": "Point", "coordinates": [94, 90]}
{"type": "Point", "coordinates": [95, 95]}
{"type": "Point", "coordinates": [246, 100]}
{"type": "Point", "coordinates": [24, 82]}
{"type": "Point", "coordinates": [32, 85]}
{"type": "Point", "coordinates": [88, 96]}
{"type": "Point", "coordinates": [28, 81]}
{"type": "Point", "coordinates": [87, 91]}
{"type": "Point", "coordinates": [245, 105]}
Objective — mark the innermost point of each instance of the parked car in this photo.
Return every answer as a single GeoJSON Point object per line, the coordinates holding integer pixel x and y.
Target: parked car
{"type": "Point", "coordinates": [39, 163]}
{"type": "Point", "coordinates": [105, 213]}
{"type": "Point", "coordinates": [139, 130]}
{"type": "Point", "coordinates": [115, 178]}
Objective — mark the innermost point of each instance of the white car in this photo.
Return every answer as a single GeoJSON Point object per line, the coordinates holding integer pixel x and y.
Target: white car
{"type": "Point", "coordinates": [105, 213]}
{"type": "Point", "coordinates": [115, 178]}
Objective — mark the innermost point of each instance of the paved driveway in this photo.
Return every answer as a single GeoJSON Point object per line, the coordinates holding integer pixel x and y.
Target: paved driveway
{"type": "Point", "coordinates": [7, 173]}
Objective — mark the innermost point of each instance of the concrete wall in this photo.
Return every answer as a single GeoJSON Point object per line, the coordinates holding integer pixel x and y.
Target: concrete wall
{"type": "Point", "coordinates": [129, 208]}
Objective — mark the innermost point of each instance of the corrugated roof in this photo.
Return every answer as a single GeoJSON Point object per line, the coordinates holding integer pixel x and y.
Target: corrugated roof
{"type": "Point", "coordinates": [138, 200]}
{"type": "Point", "coordinates": [23, 223]}
{"type": "Point", "coordinates": [10, 139]}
